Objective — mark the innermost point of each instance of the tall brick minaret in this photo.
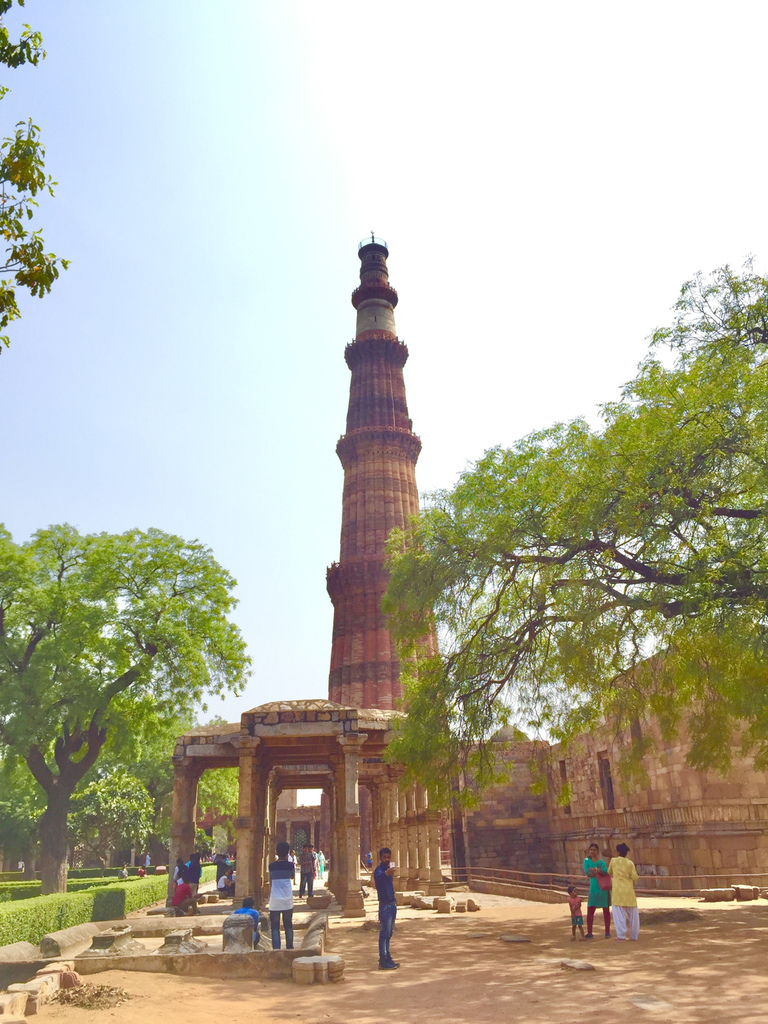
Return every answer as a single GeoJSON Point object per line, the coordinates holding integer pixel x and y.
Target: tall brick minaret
{"type": "Point", "coordinates": [378, 453]}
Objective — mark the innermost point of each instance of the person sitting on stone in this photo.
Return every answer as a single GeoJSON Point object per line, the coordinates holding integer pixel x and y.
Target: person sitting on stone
{"type": "Point", "coordinates": [226, 884]}
{"type": "Point", "coordinates": [183, 902]}
{"type": "Point", "coordinates": [249, 907]}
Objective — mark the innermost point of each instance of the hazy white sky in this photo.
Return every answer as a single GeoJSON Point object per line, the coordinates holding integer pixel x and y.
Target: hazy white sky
{"type": "Point", "coordinates": [546, 176]}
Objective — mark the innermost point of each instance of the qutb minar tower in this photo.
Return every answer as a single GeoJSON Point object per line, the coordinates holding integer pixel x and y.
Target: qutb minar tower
{"type": "Point", "coordinates": [378, 453]}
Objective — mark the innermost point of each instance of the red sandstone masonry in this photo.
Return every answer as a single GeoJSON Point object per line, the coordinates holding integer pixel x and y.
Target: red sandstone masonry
{"type": "Point", "coordinates": [378, 453]}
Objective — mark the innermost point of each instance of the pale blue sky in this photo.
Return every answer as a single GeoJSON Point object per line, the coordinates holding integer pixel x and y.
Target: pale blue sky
{"type": "Point", "coordinates": [546, 175]}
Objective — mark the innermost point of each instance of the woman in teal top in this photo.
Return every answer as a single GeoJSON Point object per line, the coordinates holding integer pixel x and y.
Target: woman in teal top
{"type": "Point", "coordinates": [594, 866]}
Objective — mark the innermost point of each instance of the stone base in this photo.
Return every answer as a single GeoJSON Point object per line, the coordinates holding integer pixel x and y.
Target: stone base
{"type": "Point", "coordinates": [436, 889]}
{"type": "Point", "coordinates": [353, 905]}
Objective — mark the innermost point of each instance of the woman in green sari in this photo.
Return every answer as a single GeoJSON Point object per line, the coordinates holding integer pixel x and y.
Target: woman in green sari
{"type": "Point", "coordinates": [594, 868]}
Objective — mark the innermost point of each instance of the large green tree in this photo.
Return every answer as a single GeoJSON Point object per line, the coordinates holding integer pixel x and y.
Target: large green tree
{"type": "Point", "coordinates": [22, 179]}
{"type": "Point", "coordinates": [113, 812]}
{"type": "Point", "coordinates": [588, 574]}
{"type": "Point", "coordinates": [98, 634]}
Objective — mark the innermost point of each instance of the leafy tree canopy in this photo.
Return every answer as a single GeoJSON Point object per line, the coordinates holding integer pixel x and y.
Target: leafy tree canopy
{"type": "Point", "coordinates": [22, 178]}
{"type": "Point", "coordinates": [100, 634]}
{"type": "Point", "coordinates": [112, 813]}
{"type": "Point", "coordinates": [587, 574]}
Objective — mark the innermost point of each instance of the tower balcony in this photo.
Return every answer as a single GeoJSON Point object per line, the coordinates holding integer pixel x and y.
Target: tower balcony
{"type": "Point", "coordinates": [373, 240]}
{"type": "Point", "coordinates": [379, 289]}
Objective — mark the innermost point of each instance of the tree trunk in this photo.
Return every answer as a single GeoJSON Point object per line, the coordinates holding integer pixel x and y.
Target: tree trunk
{"type": "Point", "coordinates": [53, 842]}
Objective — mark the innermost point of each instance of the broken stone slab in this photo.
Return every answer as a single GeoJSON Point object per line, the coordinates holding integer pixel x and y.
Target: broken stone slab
{"type": "Point", "coordinates": [13, 1004]}
{"type": "Point", "coordinates": [577, 965]}
{"type": "Point", "coordinates": [745, 892]}
{"type": "Point", "coordinates": [237, 934]}
{"type": "Point", "coordinates": [649, 1002]}
{"type": "Point", "coordinates": [308, 970]}
{"type": "Point", "coordinates": [461, 906]}
{"type": "Point", "coordinates": [68, 941]}
{"type": "Point", "coordinates": [60, 965]}
{"type": "Point", "coordinates": [423, 903]}
{"type": "Point", "coordinates": [38, 992]}
{"type": "Point", "coordinates": [472, 906]}
{"type": "Point", "coordinates": [320, 902]}
{"type": "Point", "coordinates": [180, 942]}
{"type": "Point", "coordinates": [514, 938]}
{"type": "Point", "coordinates": [116, 941]}
{"type": "Point", "coordinates": [717, 895]}
{"type": "Point", "coordinates": [303, 971]}
{"type": "Point", "coordinates": [444, 905]}
{"type": "Point", "coordinates": [19, 951]}
{"type": "Point", "coordinates": [479, 935]}
{"type": "Point", "coordinates": [65, 972]}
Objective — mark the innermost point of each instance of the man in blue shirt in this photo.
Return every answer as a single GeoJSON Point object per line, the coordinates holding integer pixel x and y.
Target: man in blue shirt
{"type": "Point", "coordinates": [249, 907]}
{"type": "Point", "coordinates": [385, 887]}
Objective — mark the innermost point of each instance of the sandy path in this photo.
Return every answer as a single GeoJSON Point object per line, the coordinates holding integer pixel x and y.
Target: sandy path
{"type": "Point", "coordinates": [457, 969]}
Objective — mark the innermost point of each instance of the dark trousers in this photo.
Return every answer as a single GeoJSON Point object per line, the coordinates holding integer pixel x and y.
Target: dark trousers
{"type": "Point", "coordinates": [387, 915]}
{"type": "Point", "coordinates": [306, 882]}
{"type": "Point", "coordinates": [274, 923]}
{"type": "Point", "coordinates": [591, 918]}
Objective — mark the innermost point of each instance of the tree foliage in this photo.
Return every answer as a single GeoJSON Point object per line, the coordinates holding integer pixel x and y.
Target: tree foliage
{"type": "Point", "coordinates": [113, 812]}
{"type": "Point", "coordinates": [22, 179]}
{"type": "Point", "coordinates": [585, 574]}
{"type": "Point", "coordinates": [100, 634]}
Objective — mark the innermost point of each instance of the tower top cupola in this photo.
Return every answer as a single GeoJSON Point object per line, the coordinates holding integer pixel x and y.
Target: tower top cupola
{"type": "Point", "coordinates": [375, 298]}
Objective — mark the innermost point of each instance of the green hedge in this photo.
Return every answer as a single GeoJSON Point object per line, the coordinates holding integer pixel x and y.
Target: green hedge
{"type": "Point", "coordinates": [11, 876]}
{"type": "Point", "coordinates": [29, 919]}
{"type": "Point", "coordinates": [27, 890]}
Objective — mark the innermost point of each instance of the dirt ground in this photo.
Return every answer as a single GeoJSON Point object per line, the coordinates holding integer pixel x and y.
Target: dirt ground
{"type": "Point", "coordinates": [458, 969]}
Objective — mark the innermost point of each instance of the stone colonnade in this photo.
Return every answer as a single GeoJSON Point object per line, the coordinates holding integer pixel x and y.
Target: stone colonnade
{"type": "Point", "coordinates": [403, 821]}
{"type": "Point", "coordinates": [315, 745]}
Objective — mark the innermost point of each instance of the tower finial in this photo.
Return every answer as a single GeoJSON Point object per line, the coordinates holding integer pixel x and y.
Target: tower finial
{"type": "Point", "coordinates": [373, 237]}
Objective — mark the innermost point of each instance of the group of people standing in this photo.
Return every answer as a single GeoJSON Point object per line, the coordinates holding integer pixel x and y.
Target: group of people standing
{"type": "Point", "coordinates": [610, 885]}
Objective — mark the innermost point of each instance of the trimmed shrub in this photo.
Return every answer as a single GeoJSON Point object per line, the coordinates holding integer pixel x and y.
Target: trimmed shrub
{"type": "Point", "coordinates": [29, 920]}
{"type": "Point", "coordinates": [11, 876]}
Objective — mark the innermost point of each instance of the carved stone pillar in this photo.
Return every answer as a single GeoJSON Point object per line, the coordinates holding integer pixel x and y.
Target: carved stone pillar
{"type": "Point", "coordinates": [182, 844]}
{"type": "Point", "coordinates": [423, 837]}
{"type": "Point", "coordinates": [378, 808]}
{"type": "Point", "coordinates": [250, 825]}
{"type": "Point", "coordinates": [402, 875]}
{"type": "Point", "coordinates": [349, 837]}
{"type": "Point", "coordinates": [413, 838]}
{"type": "Point", "coordinates": [436, 884]}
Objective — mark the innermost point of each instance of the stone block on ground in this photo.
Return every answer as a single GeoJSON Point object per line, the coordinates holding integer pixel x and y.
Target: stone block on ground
{"type": "Point", "coordinates": [68, 941]}
{"type": "Point", "coordinates": [577, 965]}
{"type": "Point", "coordinates": [19, 951]}
{"type": "Point", "coordinates": [717, 895]}
{"type": "Point", "coordinates": [320, 902]}
{"type": "Point", "coordinates": [13, 1004]}
{"type": "Point", "coordinates": [471, 905]}
{"type": "Point", "coordinates": [117, 941]}
{"type": "Point", "coordinates": [461, 906]}
{"type": "Point", "coordinates": [161, 869]}
{"type": "Point", "coordinates": [745, 892]}
{"type": "Point", "coordinates": [237, 934]}
{"type": "Point", "coordinates": [444, 905]}
{"type": "Point", "coordinates": [56, 968]}
{"type": "Point", "coordinates": [308, 970]}
{"type": "Point", "coordinates": [514, 938]}
{"type": "Point", "coordinates": [180, 942]}
{"type": "Point", "coordinates": [303, 970]}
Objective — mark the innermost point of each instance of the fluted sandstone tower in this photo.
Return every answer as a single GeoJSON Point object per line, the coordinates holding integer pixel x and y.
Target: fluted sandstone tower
{"type": "Point", "coordinates": [378, 453]}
